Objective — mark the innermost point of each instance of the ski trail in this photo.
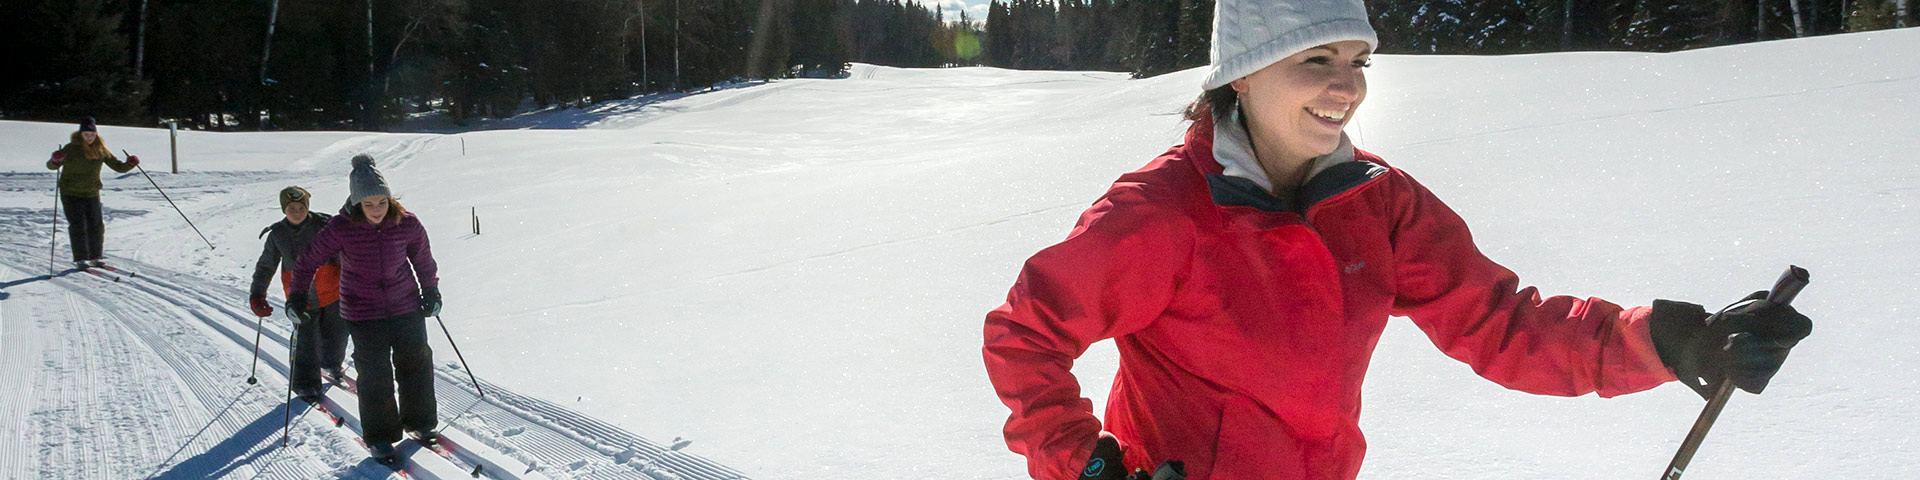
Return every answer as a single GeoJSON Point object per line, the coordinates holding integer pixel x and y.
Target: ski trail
{"type": "Point", "coordinates": [530, 438]}
{"type": "Point", "coordinates": [19, 349]}
{"type": "Point", "coordinates": [156, 366]}
{"type": "Point", "coordinates": [127, 389]}
{"type": "Point", "coordinates": [549, 432]}
{"type": "Point", "coordinates": [389, 150]}
{"type": "Point", "coordinates": [96, 417]}
{"type": "Point", "coordinates": [706, 101]}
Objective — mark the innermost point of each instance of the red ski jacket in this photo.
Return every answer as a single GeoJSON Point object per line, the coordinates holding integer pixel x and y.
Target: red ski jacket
{"type": "Point", "coordinates": [1245, 328]}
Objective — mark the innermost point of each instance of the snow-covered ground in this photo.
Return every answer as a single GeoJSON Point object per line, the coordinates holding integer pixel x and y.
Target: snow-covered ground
{"type": "Point", "coordinates": [793, 274]}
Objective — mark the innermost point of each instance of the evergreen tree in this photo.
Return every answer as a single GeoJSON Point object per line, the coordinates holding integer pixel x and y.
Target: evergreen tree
{"type": "Point", "coordinates": [1194, 43]}
{"type": "Point", "coordinates": [69, 61]}
{"type": "Point", "coordinates": [821, 39]}
{"type": "Point", "coordinates": [1665, 25]}
{"type": "Point", "coordinates": [999, 38]}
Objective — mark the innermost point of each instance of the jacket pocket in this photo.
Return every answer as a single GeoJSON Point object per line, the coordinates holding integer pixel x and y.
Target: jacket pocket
{"type": "Point", "coordinates": [1252, 444]}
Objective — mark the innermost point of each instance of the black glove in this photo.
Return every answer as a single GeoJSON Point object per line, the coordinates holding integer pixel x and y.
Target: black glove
{"type": "Point", "coordinates": [1744, 343]}
{"type": "Point", "coordinates": [1105, 463]}
{"type": "Point", "coordinates": [297, 307]}
{"type": "Point", "coordinates": [430, 301]}
{"type": "Point", "coordinates": [1169, 470]}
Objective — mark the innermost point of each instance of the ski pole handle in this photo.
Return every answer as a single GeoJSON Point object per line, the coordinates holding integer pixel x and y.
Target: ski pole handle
{"type": "Point", "coordinates": [1784, 289]}
{"type": "Point", "coordinates": [1788, 286]}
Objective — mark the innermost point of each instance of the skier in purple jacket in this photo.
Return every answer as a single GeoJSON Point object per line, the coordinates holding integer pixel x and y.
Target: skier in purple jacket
{"type": "Point", "coordinates": [388, 288]}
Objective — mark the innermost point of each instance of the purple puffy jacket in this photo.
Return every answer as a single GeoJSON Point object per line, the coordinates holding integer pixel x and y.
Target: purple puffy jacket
{"type": "Point", "coordinates": [375, 281]}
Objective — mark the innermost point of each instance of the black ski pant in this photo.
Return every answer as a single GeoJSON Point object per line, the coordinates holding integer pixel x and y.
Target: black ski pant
{"type": "Point", "coordinates": [320, 343]}
{"type": "Point", "coordinates": [86, 230]}
{"type": "Point", "coordinates": [388, 352]}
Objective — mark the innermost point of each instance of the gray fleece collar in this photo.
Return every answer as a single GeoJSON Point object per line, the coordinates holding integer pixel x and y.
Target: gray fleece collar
{"type": "Point", "coordinates": [1233, 148]}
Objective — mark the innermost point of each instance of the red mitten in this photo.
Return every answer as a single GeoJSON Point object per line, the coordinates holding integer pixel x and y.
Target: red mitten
{"type": "Point", "coordinates": [59, 157]}
{"type": "Point", "coordinates": [260, 306]}
{"type": "Point", "coordinates": [133, 160]}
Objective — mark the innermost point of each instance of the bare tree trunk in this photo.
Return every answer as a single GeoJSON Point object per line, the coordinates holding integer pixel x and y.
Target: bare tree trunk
{"type": "Point", "coordinates": [1759, 19]}
{"type": "Point", "coordinates": [1813, 17]}
{"type": "Point", "coordinates": [368, 106]}
{"type": "Point", "coordinates": [1900, 14]}
{"type": "Point", "coordinates": [1793, 7]}
{"type": "Point", "coordinates": [369, 37]}
{"type": "Point", "coordinates": [757, 48]}
{"type": "Point", "coordinates": [266, 52]}
{"type": "Point", "coordinates": [676, 45]}
{"type": "Point", "coordinates": [1566, 27]}
{"type": "Point", "coordinates": [140, 50]}
{"type": "Point", "coordinates": [386, 89]}
{"type": "Point", "coordinates": [1843, 16]}
{"type": "Point", "coordinates": [643, 46]}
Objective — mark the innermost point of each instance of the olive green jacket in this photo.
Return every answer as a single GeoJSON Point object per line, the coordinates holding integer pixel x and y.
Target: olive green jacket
{"type": "Point", "coordinates": [79, 176]}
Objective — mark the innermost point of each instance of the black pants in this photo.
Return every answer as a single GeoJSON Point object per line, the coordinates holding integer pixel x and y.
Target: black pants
{"type": "Point", "coordinates": [387, 352]}
{"type": "Point", "coordinates": [86, 230]}
{"type": "Point", "coordinates": [321, 343]}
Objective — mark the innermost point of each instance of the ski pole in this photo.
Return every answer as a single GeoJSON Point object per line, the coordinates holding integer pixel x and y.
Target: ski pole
{"type": "Point", "coordinates": [53, 249]}
{"type": "Point", "coordinates": [286, 416]}
{"type": "Point", "coordinates": [463, 359]}
{"type": "Point", "coordinates": [176, 208]}
{"type": "Point", "coordinates": [256, 351]}
{"type": "Point", "coordinates": [1782, 293]}
{"type": "Point", "coordinates": [463, 364]}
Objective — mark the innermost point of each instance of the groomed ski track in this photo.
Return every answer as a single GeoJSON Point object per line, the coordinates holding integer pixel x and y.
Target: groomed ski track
{"type": "Point", "coordinates": [146, 378]}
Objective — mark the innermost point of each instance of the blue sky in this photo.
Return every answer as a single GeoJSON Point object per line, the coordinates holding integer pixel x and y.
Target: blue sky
{"type": "Point", "coordinates": [976, 9]}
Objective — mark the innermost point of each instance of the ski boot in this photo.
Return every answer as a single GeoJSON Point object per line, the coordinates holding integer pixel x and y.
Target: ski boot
{"type": "Point", "coordinates": [384, 453]}
{"type": "Point", "coordinates": [425, 437]}
{"type": "Point", "coordinates": [309, 393]}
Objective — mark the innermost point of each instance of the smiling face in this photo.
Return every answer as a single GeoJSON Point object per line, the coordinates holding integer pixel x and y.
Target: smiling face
{"type": "Point", "coordinates": [374, 207]}
{"type": "Point", "coordinates": [1297, 107]}
{"type": "Point", "coordinates": [90, 137]}
{"type": "Point", "coordinates": [296, 212]}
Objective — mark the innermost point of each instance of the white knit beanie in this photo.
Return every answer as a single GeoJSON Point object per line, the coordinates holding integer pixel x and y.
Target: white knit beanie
{"type": "Point", "coordinates": [1249, 35]}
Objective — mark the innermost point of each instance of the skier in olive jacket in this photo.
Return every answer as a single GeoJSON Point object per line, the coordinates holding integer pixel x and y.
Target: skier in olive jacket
{"type": "Point", "coordinates": [321, 343]}
{"type": "Point", "coordinates": [79, 165]}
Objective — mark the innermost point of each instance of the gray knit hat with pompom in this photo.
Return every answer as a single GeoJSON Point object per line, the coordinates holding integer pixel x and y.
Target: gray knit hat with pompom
{"type": "Point", "coordinates": [365, 181]}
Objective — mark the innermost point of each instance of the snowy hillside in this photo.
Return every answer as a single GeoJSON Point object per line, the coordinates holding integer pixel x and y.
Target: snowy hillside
{"type": "Point", "coordinates": [794, 274]}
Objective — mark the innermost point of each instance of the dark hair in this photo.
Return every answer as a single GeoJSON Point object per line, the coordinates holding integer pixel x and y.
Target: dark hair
{"type": "Point", "coordinates": [1219, 98]}
{"type": "Point", "coordinates": [394, 211]}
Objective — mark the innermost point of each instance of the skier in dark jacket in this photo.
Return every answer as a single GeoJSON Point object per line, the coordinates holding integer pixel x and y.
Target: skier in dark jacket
{"type": "Point", "coordinates": [79, 165]}
{"type": "Point", "coordinates": [1246, 275]}
{"type": "Point", "coordinates": [321, 343]}
{"type": "Point", "coordinates": [388, 287]}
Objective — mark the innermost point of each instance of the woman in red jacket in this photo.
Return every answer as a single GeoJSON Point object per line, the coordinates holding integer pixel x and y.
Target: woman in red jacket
{"type": "Point", "coordinates": [1246, 276]}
